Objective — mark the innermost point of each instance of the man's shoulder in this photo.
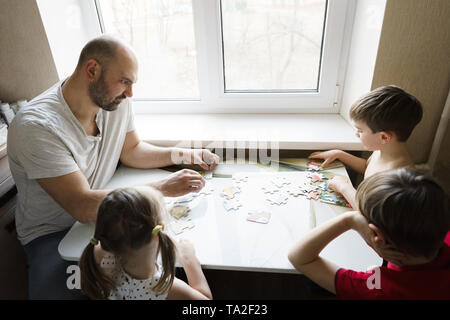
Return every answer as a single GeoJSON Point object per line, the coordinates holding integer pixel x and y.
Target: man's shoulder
{"type": "Point", "coordinates": [41, 110]}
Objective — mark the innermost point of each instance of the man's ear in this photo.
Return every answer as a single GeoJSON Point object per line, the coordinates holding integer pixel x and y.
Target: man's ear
{"type": "Point", "coordinates": [378, 235]}
{"type": "Point", "coordinates": [386, 136]}
{"type": "Point", "coordinates": [92, 70]}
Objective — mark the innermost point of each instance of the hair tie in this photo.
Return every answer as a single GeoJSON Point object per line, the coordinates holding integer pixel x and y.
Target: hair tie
{"type": "Point", "coordinates": [157, 229]}
{"type": "Point", "coordinates": [93, 241]}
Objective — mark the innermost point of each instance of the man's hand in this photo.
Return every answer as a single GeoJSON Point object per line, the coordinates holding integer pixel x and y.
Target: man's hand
{"type": "Point", "coordinates": [204, 158]}
{"type": "Point", "coordinates": [180, 183]}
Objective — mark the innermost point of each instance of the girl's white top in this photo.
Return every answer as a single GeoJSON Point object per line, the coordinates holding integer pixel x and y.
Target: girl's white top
{"type": "Point", "coordinates": [127, 287]}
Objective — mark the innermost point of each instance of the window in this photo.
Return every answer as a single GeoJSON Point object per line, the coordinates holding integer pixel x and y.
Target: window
{"type": "Point", "coordinates": [220, 56]}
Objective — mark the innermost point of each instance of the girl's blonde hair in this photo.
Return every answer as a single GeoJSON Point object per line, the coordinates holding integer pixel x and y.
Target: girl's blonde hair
{"type": "Point", "coordinates": [126, 218]}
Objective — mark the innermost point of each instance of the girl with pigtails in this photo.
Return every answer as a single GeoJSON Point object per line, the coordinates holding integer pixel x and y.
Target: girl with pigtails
{"type": "Point", "coordinates": [120, 262]}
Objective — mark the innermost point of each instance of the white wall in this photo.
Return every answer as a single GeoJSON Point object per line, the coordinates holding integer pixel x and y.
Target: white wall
{"type": "Point", "coordinates": [363, 52]}
{"type": "Point", "coordinates": [69, 24]}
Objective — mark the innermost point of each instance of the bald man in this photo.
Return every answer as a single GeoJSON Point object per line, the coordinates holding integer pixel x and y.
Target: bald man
{"type": "Point", "coordinates": [64, 147]}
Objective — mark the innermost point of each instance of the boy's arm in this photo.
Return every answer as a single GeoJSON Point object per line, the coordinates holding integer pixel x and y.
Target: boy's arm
{"type": "Point", "coordinates": [344, 186]}
{"type": "Point", "coordinates": [304, 255]}
{"type": "Point", "coordinates": [356, 163]}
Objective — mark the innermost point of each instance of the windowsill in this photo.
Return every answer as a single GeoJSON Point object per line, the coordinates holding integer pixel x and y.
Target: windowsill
{"type": "Point", "coordinates": [289, 131]}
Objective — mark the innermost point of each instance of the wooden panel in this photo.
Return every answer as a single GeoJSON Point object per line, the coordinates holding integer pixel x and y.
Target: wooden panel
{"type": "Point", "coordinates": [413, 53]}
{"type": "Point", "coordinates": [26, 62]}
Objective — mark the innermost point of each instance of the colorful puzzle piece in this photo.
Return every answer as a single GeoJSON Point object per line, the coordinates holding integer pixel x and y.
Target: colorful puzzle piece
{"type": "Point", "coordinates": [179, 211]}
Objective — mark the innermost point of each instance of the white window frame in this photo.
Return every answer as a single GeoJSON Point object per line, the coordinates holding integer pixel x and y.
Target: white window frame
{"type": "Point", "coordinates": [214, 99]}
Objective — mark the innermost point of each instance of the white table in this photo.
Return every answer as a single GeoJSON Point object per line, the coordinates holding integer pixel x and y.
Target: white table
{"type": "Point", "coordinates": [226, 240]}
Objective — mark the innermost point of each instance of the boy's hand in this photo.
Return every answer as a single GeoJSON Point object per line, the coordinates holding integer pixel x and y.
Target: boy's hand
{"type": "Point", "coordinates": [389, 252]}
{"type": "Point", "coordinates": [385, 250]}
{"type": "Point", "coordinates": [329, 156]}
{"type": "Point", "coordinates": [360, 224]}
{"type": "Point", "coordinates": [339, 183]}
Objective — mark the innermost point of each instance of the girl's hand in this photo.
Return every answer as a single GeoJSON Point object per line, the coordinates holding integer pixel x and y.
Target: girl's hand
{"type": "Point", "coordinates": [185, 251]}
{"type": "Point", "coordinates": [329, 156]}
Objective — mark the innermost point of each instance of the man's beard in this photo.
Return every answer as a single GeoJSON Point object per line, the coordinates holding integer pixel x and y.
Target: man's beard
{"type": "Point", "coordinates": [99, 92]}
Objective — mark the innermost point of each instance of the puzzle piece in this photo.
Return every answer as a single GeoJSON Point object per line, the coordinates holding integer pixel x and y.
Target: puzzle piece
{"type": "Point", "coordinates": [179, 226]}
{"type": "Point", "coordinates": [314, 165]}
{"type": "Point", "coordinates": [313, 195]}
{"type": "Point", "coordinates": [230, 192]}
{"type": "Point", "coordinates": [278, 198]}
{"type": "Point", "coordinates": [207, 189]}
{"type": "Point", "coordinates": [233, 204]}
{"type": "Point", "coordinates": [258, 216]}
{"type": "Point", "coordinates": [334, 198]}
{"type": "Point", "coordinates": [208, 175]}
{"type": "Point", "coordinates": [179, 211]}
{"type": "Point", "coordinates": [280, 181]}
{"type": "Point", "coordinates": [240, 178]}
{"type": "Point", "coordinates": [315, 177]}
{"type": "Point", "coordinates": [270, 189]}
{"type": "Point", "coordinates": [188, 198]}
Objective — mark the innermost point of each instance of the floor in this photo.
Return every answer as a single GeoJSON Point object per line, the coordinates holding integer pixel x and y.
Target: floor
{"type": "Point", "coordinates": [13, 272]}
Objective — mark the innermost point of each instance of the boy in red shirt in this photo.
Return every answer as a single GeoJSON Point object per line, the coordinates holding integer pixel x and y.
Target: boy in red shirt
{"type": "Point", "coordinates": [404, 216]}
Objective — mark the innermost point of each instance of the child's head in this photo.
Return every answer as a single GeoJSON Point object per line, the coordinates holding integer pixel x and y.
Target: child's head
{"type": "Point", "coordinates": [387, 109]}
{"type": "Point", "coordinates": [409, 208]}
{"type": "Point", "coordinates": [125, 220]}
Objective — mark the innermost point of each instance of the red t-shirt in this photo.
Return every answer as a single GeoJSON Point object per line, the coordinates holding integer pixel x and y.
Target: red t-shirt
{"type": "Point", "coordinates": [426, 281]}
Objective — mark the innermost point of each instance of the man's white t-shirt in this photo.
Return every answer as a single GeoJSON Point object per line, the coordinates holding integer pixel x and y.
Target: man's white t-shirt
{"type": "Point", "coordinates": [46, 140]}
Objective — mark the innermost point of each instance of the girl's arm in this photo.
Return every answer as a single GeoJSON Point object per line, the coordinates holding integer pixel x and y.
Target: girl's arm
{"type": "Point", "coordinates": [198, 288]}
{"type": "Point", "coordinates": [304, 255]}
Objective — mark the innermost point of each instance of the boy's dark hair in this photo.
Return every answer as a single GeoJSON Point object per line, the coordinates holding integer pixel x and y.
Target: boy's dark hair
{"type": "Point", "coordinates": [125, 221]}
{"type": "Point", "coordinates": [388, 108]}
{"type": "Point", "coordinates": [409, 207]}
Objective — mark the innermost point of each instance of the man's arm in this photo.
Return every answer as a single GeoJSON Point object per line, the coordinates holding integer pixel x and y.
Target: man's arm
{"type": "Point", "coordinates": [140, 154]}
{"type": "Point", "coordinates": [73, 193]}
